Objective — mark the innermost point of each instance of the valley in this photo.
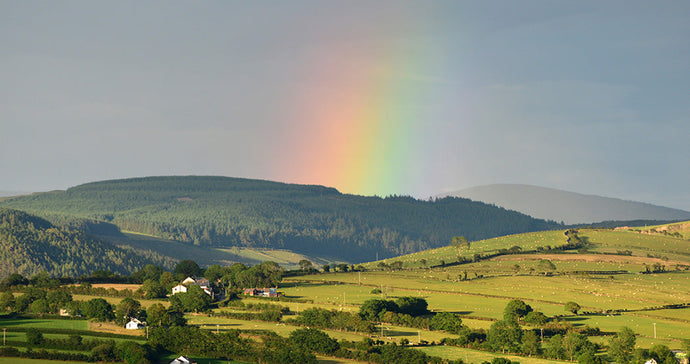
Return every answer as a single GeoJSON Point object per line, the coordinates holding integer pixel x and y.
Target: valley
{"type": "Point", "coordinates": [631, 278]}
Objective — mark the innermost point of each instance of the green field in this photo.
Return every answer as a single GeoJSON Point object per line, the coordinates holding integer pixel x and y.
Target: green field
{"type": "Point", "coordinates": [601, 283]}
{"type": "Point", "coordinates": [449, 254]}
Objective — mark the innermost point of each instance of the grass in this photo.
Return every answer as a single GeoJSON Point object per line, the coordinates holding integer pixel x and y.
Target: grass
{"type": "Point", "coordinates": [35, 361]}
{"type": "Point", "coordinates": [656, 244]}
{"type": "Point", "coordinates": [449, 254]}
{"type": "Point", "coordinates": [477, 356]}
{"type": "Point", "coordinates": [487, 298]}
{"type": "Point", "coordinates": [45, 323]}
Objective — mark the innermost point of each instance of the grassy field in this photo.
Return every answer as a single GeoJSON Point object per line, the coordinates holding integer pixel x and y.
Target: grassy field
{"type": "Point", "coordinates": [449, 254]}
{"type": "Point", "coordinates": [682, 228]}
{"type": "Point", "coordinates": [45, 323]}
{"type": "Point", "coordinates": [600, 283]}
{"type": "Point", "coordinates": [477, 356]}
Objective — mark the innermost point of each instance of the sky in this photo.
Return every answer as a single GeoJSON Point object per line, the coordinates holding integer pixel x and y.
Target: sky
{"type": "Point", "coordinates": [370, 97]}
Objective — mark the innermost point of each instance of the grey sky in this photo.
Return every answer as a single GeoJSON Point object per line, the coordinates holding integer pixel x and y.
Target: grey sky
{"type": "Point", "coordinates": [587, 96]}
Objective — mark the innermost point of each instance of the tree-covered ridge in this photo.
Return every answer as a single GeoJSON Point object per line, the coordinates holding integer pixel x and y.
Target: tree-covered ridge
{"type": "Point", "coordinates": [29, 245]}
{"type": "Point", "coordinates": [224, 211]}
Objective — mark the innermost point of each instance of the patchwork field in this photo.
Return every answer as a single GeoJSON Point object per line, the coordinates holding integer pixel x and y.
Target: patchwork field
{"type": "Point", "coordinates": [612, 280]}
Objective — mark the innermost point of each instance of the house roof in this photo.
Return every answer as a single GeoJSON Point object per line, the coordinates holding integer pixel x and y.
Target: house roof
{"type": "Point", "coordinates": [182, 360]}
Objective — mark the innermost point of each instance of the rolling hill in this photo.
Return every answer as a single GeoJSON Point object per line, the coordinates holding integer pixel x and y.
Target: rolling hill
{"type": "Point", "coordinates": [314, 220]}
{"type": "Point", "coordinates": [568, 207]}
{"type": "Point", "coordinates": [31, 245]}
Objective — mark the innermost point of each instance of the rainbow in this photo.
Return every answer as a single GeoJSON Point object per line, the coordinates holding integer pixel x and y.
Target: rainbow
{"type": "Point", "coordinates": [360, 122]}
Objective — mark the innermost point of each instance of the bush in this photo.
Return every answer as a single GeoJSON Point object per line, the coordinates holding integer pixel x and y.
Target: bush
{"type": "Point", "coordinates": [34, 337]}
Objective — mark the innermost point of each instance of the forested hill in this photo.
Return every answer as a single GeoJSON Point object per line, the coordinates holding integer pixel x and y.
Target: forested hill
{"type": "Point", "coordinates": [30, 245]}
{"type": "Point", "coordinates": [224, 211]}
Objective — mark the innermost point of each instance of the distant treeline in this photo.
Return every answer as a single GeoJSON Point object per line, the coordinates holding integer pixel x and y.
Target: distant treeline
{"type": "Point", "coordinates": [223, 211]}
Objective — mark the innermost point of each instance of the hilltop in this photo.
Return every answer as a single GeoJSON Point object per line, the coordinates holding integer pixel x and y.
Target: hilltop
{"type": "Point", "coordinates": [569, 207]}
{"type": "Point", "coordinates": [316, 220]}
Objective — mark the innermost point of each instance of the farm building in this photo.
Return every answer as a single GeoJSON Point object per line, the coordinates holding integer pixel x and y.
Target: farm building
{"type": "Point", "coordinates": [134, 324]}
{"type": "Point", "coordinates": [183, 360]}
{"type": "Point", "coordinates": [261, 292]}
{"type": "Point", "coordinates": [201, 282]}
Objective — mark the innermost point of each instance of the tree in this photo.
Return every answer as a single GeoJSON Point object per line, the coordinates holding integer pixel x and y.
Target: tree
{"type": "Point", "coordinates": [530, 343]}
{"type": "Point", "coordinates": [305, 265]}
{"type": "Point", "coordinates": [57, 300]}
{"type": "Point", "coordinates": [662, 354]}
{"type": "Point", "coordinates": [314, 341]}
{"type": "Point", "coordinates": [504, 335]}
{"type": "Point", "coordinates": [39, 306]}
{"type": "Point", "coordinates": [131, 352]}
{"type": "Point", "coordinates": [195, 299]}
{"type": "Point", "coordinates": [372, 309]}
{"type": "Point", "coordinates": [157, 315]}
{"type": "Point", "coordinates": [575, 343]}
{"type": "Point", "coordinates": [152, 289]}
{"type": "Point", "coordinates": [446, 321]}
{"type": "Point", "coordinates": [536, 318]}
{"type": "Point", "coordinates": [6, 301]}
{"type": "Point", "coordinates": [622, 345]}
{"type": "Point", "coordinates": [589, 357]}
{"type": "Point", "coordinates": [215, 272]}
{"type": "Point", "coordinates": [98, 309]}
{"type": "Point", "coordinates": [187, 268]}
{"type": "Point", "coordinates": [546, 266]}
{"type": "Point", "coordinates": [326, 268]}
{"type": "Point", "coordinates": [459, 242]}
{"type": "Point", "coordinates": [126, 309]}
{"type": "Point", "coordinates": [14, 279]}
{"type": "Point", "coordinates": [554, 347]}
{"type": "Point", "coordinates": [516, 309]}
{"type": "Point", "coordinates": [167, 280]}
{"type": "Point", "coordinates": [572, 307]}
{"type": "Point", "coordinates": [149, 271]}
{"type": "Point", "coordinates": [34, 337]}
{"type": "Point", "coordinates": [413, 306]}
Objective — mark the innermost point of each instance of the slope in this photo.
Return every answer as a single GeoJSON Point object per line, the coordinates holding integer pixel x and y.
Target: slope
{"type": "Point", "coordinates": [569, 207]}
{"type": "Point", "coordinates": [315, 220]}
{"type": "Point", "coordinates": [31, 245]}
{"type": "Point", "coordinates": [638, 247]}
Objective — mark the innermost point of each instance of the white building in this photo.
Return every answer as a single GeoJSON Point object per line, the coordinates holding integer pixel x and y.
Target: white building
{"type": "Point", "coordinates": [201, 282]}
{"type": "Point", "coordinates": [134, 324]}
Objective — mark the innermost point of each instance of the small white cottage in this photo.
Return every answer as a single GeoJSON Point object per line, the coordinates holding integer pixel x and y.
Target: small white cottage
{"type": "Point", "coordinates": [134, 324]}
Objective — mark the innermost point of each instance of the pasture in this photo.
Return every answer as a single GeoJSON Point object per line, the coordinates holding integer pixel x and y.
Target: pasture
{"type": "Point", "coordinates": [477, 356]}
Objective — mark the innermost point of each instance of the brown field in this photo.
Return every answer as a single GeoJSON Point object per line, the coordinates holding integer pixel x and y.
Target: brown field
{"type": "Point", "coordinates": [114, 329]}
{"type": "Point", "coordinates": [118, 286]}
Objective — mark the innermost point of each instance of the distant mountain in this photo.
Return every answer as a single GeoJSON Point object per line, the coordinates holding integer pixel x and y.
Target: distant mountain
{"type": "Point", "coordinates": [30, 245]}
{"type": "Point", "coordinates": [12, 193]}
{"type": "Point", "coordinates": [314, 220]}
{"type": "Point", "coordinates": [569, 207]}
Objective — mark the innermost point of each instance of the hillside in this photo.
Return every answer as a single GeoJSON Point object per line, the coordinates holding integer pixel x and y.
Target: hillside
{"type": "Point", "coordinates": [31, 245]}
{"type": "Point", "coordinates": [616, 278]}
{"type": "Point", "coordinates": [634, 246]}
{"type": "Point", "coordinates": [225, 212]}
{"type": "Point", "coordinates": [569, 207]}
